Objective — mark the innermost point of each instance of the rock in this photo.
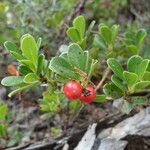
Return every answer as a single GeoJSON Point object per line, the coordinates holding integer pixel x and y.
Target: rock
{"type": "Point", "coordinates": [111, 138]}
{"type": "Point", "coordinates": [88, 139]}
{"type": "Point", "coordinates": [111, 144]}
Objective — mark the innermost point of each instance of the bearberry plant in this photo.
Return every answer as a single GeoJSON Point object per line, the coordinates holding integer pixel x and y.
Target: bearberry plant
{"type": "Point", "coordinates": [69, 76]}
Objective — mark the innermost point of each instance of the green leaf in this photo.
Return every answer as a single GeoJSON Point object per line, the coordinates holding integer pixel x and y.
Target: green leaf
{"type": "Point", "coordinates": [12, 81]}
{"type": "Point", "coordinates": [3, 111]}
{"type": "Point", "coordinates": [90, 28]}
{"type": "Point", "coordinates": [139, 100]}
{"type": "Point", "coordinates": [24, 87]}
{"type": "Point", "coordinates": [76, 56]}
{"type": "Point", "coordinates": [115, 67]}
{"type": "Point", "coordinates": [131, 78]}
{"type": "Point", "coordinates": [61, 79]}
{"type": "Point", "coordinates": [11, 46]}
{"type": "Point", "coordinates": [40, 64]}
{"type": "Point", "coordinates": [29, 64]}
{"type": "Point", "coordinates": [142, 68]}
{"type": "Point", "coordinates": [63, 68]}
{"type": "Point", "coordinates": [100, 98]}
{"type": "Point", "coordinates": [118, 83]}
{"type": "Point", "coordinates": [99, 42]}
{"type": "Point", "coordinates": [106, 33]}
{"type": "Point", "coordinates": [23, 69]}
{"type": "Point", "coordinates": [79, 24]}
{"type": "Point", "coordinates": [146, 76]}
{"type": "Point", "coordinates": [114, 31]}
{"type": "Point", "coordinates": [140, 36]}
{"type": "Point", "coordinates": [30, 78]}
{"type": "Point", "coordinates": [133, 49]}
{"type": "Point", "coordinates": [29, 48]}
{"type": "Point", "coordinates": [73, 34]}
{"type": "Point", "coordinates": [141, 84]}
{"type": "Point", "coordinates": [39, 41]}
{"type": "Point", "coordinates": [133, 63]}
{"type": "Point", "coordinates": [126, 107]}
{"type": "Point", "coordinates": [111, 90]}
{"type": "Point", "coordinates": [17, 55]}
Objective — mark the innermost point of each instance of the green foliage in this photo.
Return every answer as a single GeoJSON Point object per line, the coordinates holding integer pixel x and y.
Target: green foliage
{"type": "Point", "coordinates": [130, 81]}
{"type": "Point", "coordinates": [76, 62]}
{"type": "Point", "coordinates": [3, 119]}
{"type": "Point", "coordinates": [50, 103]}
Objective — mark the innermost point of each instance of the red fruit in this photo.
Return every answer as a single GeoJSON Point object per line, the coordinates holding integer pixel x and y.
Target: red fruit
{"type": "Point", "coordinates": [72, 90]}
{"type": "Point", "coordinates": [88, 94]}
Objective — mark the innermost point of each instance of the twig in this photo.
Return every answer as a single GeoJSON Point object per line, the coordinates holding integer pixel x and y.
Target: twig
{"type": "Point", "coordinates": [103, 79]}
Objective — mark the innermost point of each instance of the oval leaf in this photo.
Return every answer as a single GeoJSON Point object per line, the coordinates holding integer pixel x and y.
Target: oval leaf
{"type": "Point", "coordinates": [118, 83]}
{"type": "Point", "coordinates": [115, 67]}
{"type": "Point", "coordinates": [12, 81]}
{"type": "Point", "coordinates": [141, 85]}
{"type": "Point", "coordinates": [30, 78]}
{"type": "Point", "coordinates": [29, 48]}
{"type": "Point", "coordinates": [63, 68]}
{"type": "Point", "coordinates": [106, 34]}
{"type": "Point", "coordinates": [131, 78]}
{"type": "Point", "coordinates": [77, 57]}
{"type": "Point", "coordinates": [142, 68]}
{"type": "Point", "coordinates": [73, 34]}
{"type": "Point", "coordinates": [133, 63]}
{"type": "Point", "coordinates": [79, 24]}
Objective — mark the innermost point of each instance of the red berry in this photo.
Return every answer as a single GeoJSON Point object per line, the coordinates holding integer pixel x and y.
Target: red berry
{"type": "Point", "coordinates": [72, 90]}
{"type": "Point", "coordinates": [88, 94]}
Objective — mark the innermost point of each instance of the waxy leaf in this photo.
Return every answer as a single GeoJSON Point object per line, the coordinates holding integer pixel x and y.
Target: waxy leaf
{"type": "Point", "coordinates": [12, 81]}
{"type": "Point", "coordinates": [133, 49]}
{"type": "Point", "coordinates": [29, 64]}
{"type": "Point", "coordinates": [142, 68]}
{"type": "Point", "coordinates": [146, 76]}
{"type": "Point", "coordinates": [140, 36]}
{"type": "Point", "coordinates": [79, 24]}
{"type": "Point", "coordinates": [106, 33]}
{"type": "Point", "coordinates": [23, 87]}
{"type": "Point", "coordinates": [141, 84]}
{"type": "Point", "coordinates": [100, 98]}
{"type": "Point", "coordinates": [77, 57]}
{"type": "Point", "coordinates": [133, 63]}
{"type": "Point", "coordinates": [17, 55]}
{"type": "Point", "coordinates": [63, 68]}
{"type": "Point", "coordinates": [91, 26]}
{"type": "Point", "coordinates": [23, 69]}
{"type": "Point", "coordinates": [115, 67]}
{"type": "Point", "coordinates": [73, 34]}
{"type": "Point", "coordinates": [11, 46]}
{"type": "Point", "coordinates": [111, 90]}
{"type": "Point", "coordinates": [29, 48]}
{"type": "Point", "coordinates": [39, 41]}
{"type": "Point", "coordinates": [131, 78]}
{"type": "Point", "coordinates": [118, 82]}
{"type": "Point", "coordinates": [114, 31]}
{"type": "Point", "coordinates": [30, 78]}
{"type": "Point", "coordinates": [139, 100]}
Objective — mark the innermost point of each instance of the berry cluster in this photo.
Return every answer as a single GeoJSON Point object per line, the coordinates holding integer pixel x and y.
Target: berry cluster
{"type": "Point", "coordinates": [74, 90]}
